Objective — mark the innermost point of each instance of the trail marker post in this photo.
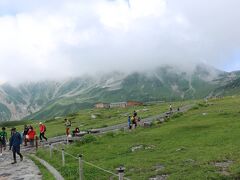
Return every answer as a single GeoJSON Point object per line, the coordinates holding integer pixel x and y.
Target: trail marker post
{"type": "Point", "coordinates": [63, 158]}
{"type": "Point", "coordinates": [80, 167]}
{"type": "Point", "coordinates": [121, 170]}
{"type": "Point", "coordinates": [51, 148]}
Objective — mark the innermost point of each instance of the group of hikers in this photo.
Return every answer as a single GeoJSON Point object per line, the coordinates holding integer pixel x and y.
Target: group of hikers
{"type": "Point", "coordinates": [68, 125]}
{"type": "Point", "coordinates": [133, 120]}
{"type": "Point", "coordinates": [29, 134]}
{"type": "Point", "coordinates": [16, 139]}
{"type": "Point", "coordinates": [14, 143]}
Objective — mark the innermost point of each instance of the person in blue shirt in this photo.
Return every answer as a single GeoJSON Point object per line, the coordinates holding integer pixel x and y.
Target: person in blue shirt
{"type": "Point", "coordinates": [15, 142]}
{"type": "Point", "coordinates": [129, 122]}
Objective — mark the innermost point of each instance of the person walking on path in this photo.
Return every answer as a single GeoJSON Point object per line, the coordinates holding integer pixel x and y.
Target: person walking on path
{"type": "Point", "coordinates": [134, 113]}
{"type": "Point", "coordinates": [25, 132]}
{"type": "Point", "coordinates": [31, 135]}
{"type": "Point", "coordinates": [170, 108]}
{"type": "Point", "coordinates": [3, 140]}
{"type": "Point", "coordinates": [15, 142]}
{"type": "Point", "coordinates": [129, 122]}
{"type": "Point", "coordinates": [67, 125]}
{"type": "Point", "coordinates": [42, 129]}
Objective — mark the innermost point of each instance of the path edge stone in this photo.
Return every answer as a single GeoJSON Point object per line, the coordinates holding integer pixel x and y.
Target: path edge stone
{"type": "Point", "coordinates": [50, 168]}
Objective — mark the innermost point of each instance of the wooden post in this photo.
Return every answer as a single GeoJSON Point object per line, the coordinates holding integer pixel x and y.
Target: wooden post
{"type": "Point", "coordinates": [80, 167]}
{"type": "Point", "coordinates": [50, 147]}
{"type": "Point", "coordinates": [121, 172]}
{"type": "Point", "coordinates": [63, 158]}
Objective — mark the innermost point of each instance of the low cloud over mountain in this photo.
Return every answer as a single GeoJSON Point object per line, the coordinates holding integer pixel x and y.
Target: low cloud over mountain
{"type": "Point", "coordinates": [59, 39]}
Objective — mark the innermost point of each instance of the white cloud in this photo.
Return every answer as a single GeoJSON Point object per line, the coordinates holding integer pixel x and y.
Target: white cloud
{"type": "Point", "coordinates": [42, 39]}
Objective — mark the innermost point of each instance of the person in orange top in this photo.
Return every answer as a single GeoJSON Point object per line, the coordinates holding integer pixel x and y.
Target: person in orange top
{"type": "Point", "coordinates": [31, 135]}
{"type": "Point", "coordinates": [42, 129]}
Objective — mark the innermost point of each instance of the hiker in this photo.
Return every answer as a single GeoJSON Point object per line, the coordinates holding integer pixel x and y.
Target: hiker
{"type": "Point", "coordinates": [15, 142]}
{"type": "Point", "coordinates": [31, 135]}
{"type": "Point", "coordinates": [42, 129]}
{"type": "Point", "coordinates": [25, 132]}
{"type": "Point", "coordinates": [76, 132]}
{"type": "Point", "coordinates": [3, 139]}
{"type": "Point", "coordinates": [67, 125]}
{"type": "Point", "coordinates": [129, 122]}
{"type": "Point", "coordinates": [134, 122]}
{"type": "Point", "coordinates": [170, 107]}
{"type": "Point", "coordinates": [134, 113]}
{"type": "Point", "coordinates": [139, 121]}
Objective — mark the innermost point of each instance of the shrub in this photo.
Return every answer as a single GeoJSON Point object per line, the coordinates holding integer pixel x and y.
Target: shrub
{"type": "Point", "coordinates": [195, 107]}
{"type": "Point", "coordinates": [177, 115]}
{"type": "Point", "coordinates": [88, 139]}
{"type": "Point", "coordinates": [203, 105]}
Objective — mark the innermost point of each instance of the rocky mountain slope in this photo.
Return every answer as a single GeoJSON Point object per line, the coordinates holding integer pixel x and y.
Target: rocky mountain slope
{"type": "Point", "coordinates": [46, 99]}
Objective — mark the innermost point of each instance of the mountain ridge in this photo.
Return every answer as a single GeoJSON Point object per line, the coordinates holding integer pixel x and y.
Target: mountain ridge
{"type": "Point", "coordinates": [48, 99]}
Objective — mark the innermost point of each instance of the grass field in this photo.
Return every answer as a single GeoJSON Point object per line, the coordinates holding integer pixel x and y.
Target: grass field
{"type": "Point", "coordinates": [203, 143]}
{"type": "Point", "coordinates": [46, 175]}
{"type": "Point", "coordinates": [92, 118]}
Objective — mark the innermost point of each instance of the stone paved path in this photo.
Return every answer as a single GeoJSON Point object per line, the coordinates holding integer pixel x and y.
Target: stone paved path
{"type": "Point", "coordinates": [23, 170]}
{"type": "Point", "coordinates": [120, 126]}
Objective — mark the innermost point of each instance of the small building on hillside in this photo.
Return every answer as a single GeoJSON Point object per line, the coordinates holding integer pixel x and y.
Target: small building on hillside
{"type": "Point", "coordinates": [102, 105]}
{"type": "Point", "coordinates": [134, 103]}
{"type": "Point", "coordinates": [118, 104]}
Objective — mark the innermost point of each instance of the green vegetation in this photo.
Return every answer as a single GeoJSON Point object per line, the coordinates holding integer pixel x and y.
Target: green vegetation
{"type": "Point", "coordinates": [48, 99]}
{"type": "Point", "coordinates": [46, 175]}
{"type": "Point", "coordinates": [200, 144]}
{"type": "Point", "coordinates": [94, 118]}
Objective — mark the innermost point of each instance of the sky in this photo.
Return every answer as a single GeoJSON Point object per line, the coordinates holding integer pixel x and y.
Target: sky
{"type": "Point", "coordinates": [64, 38]}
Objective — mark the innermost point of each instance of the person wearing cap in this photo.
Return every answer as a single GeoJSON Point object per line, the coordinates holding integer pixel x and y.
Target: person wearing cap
{"type": "Point", "coordinates": [42, 129]}
{"type": "Point", "coordinates": [15, 142]}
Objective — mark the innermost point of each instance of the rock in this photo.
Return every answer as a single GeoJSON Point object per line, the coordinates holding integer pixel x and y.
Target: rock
{"type": "Point", "coordinates": [159, 177]}
{"type": "Point", "coordinates": [93, 116]}
{"type": "Point", "coordinates": [159, 167]}
{"type": "Point", "coordinates": [133, 149]}
{"type": "Point", "coordinates": [150, 147]}
{"type": "Point", "coordinates": [94, 131]}
{"type": "Point", "coordinates": [223, 167]}
{"type": "Point", "coordinates": [146, 124]}
{"type": "Point", "coordinates": [180, 149]}
{"type": "Point", "coordinates": [161, 120]}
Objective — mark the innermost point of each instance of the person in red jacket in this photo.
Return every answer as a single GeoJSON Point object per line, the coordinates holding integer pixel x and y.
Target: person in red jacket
{"type": "Point", "coordinates": [42, 129]}
{"type": "Point", "coordinates": [31, 135]}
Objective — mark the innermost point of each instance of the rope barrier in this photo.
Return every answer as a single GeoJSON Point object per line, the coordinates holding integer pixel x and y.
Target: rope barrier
{"type": "Point", "coordinates": [90, 163]}
{"type": "Point", "coordinates": [100, 168]}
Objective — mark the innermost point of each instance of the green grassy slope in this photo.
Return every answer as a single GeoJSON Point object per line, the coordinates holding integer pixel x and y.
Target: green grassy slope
{"type": "Point", "coordinates": [83, 118]}
{"type": "Point", "coordinates": [190, 146]}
